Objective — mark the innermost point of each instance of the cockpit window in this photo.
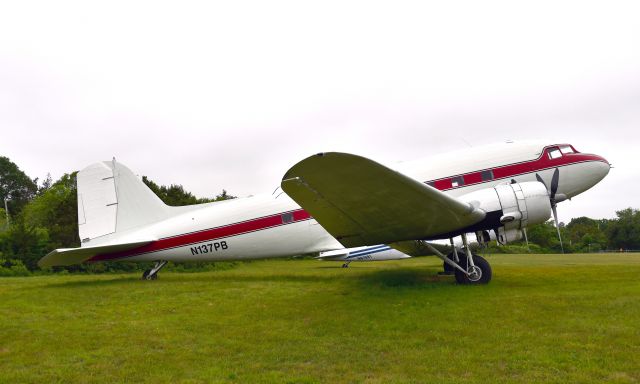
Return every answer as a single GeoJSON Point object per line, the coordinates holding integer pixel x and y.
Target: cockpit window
{"type": "Point", "coordinates": [554, 153]}
{"type": "Point", "coordinates": [566, 149]}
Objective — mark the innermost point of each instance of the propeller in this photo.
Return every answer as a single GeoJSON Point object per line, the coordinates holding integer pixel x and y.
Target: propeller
{"type": "Point", "coordinates": [555, 220]}
{"type": "Point", "coordinates": [526, 238]}
{"type": "Point", "coordinates": [555, 179]}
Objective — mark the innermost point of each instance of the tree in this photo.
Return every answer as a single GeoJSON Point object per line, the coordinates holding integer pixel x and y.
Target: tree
{"type": "Point", "coordinates": [585, 234]}
{"type": "Point", "coordinates": [15, 185]}
{"type": "Point", "coordinates": [224, 196]}
{"type": "Point", "coordinates": [55, 209]}
{"type": "Point", "coordinates": [3, 219]}
{"type": "Point", "coordinates": [24, 242]}
{"type": "Point", "coordinates": [625, 231]}
{"type": "Point", "coordinates": [175, 195]}
{"type": "Point", "coordinates": [544, 235]}
{"type": "Point", "coordinates": [46, 184]}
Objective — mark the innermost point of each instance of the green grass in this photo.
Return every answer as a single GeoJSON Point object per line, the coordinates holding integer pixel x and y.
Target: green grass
{"type": "Point", "coordinates": [543, 318]}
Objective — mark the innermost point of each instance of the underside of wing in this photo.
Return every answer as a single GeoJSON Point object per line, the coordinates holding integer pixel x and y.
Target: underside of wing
{"type": "Point", "coordinates": [361, 202]}
{"type": "Point", "coordinates": [419, 247]}
{"type": "Point", "coordinates": [70, 256]}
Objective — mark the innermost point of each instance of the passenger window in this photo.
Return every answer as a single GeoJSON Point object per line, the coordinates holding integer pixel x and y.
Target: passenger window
{"type": "Point", "coordinates": [554, 153]}
{"type": "Point", "coordinates": [487, 175]}
{"type": "Point", "coordinates": [457, 181]}
{"type": "Point", "coordinates": [287, 218]}
{"type": "Point", "coordinates": [566, 149]}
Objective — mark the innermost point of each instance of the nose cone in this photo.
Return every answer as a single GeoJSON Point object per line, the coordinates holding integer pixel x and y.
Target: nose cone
{"type": "Point", "coordinates": [582, 175]}
{"type": "Point", "coordinates": [600, 169]}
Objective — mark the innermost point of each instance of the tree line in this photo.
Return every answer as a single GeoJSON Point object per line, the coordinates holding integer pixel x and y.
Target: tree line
{"type": "Point", "coordinates": [42, 216]}
{"type": "Point", "coordinates": [583, 235]}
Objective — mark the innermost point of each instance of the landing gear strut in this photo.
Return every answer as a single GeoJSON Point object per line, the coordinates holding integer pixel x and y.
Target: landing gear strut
{"type": "Point", "coordinates": [346, 265]}
{"type": "Point", "coordinates": [478, 270]}
{"type": "Point", "coordinates": [453, 256]}
{"type": "Point", "coordinates": [152, 274]}
{"type": "Point", "coordinates": [469, 268]}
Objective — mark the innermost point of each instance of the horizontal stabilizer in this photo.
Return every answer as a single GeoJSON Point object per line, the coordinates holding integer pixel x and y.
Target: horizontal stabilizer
{"type": "Point", "coordinates": [69, 256]}
{"type": "Point", "coordinates": [337, 254]}
{"type": "Point", "coordinates": [378, 252]}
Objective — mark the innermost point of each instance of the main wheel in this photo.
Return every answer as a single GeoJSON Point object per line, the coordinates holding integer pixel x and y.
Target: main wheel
{"type": "Point", "coordinates": [480, 273]}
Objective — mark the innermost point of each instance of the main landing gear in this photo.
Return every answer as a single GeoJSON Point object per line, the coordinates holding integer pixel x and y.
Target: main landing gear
{"type": "Point", "coordinates": [478, 271]}
{"type": "Point", "coordinates": [346, 265]}
{"type": "Point", "coordinates": [152, 274]}
{"type": "Point", "coordinates": [469, 269]}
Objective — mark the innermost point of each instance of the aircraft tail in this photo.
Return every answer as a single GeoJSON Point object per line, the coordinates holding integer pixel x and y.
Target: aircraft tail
{"type": "Point", "coordinates": [112, 199]}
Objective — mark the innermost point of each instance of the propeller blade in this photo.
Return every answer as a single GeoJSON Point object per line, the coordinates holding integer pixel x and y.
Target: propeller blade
{"type": "Point", "coordinates": [554, 183]}
{"type": "Point", "coordinates": [555, 220]}
{"type": "Point", "coordinates": [542, 181]}
{"type": "Point", "coordinates": [526, 238]}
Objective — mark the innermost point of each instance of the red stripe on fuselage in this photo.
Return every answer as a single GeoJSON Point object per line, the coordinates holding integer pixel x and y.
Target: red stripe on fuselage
{"type": "Point", "coordinates": [513, 170]}
{"type": "Point", "coordinates": [208, 235]}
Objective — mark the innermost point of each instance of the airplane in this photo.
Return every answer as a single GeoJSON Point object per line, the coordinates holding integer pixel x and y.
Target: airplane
{"type": "Point", "coordinates": [335, 201]}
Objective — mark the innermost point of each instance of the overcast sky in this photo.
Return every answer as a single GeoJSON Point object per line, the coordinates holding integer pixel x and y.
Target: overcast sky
{"type": "Point", "coordinates": [215, 95]}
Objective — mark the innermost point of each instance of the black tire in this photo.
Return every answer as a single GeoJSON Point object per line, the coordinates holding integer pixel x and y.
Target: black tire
{"type": "Point", "coordinates": [484, 269]}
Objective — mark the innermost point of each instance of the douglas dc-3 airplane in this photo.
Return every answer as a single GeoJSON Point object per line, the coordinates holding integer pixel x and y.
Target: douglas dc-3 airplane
{"type": "Point", "coordinates": [338, 205]}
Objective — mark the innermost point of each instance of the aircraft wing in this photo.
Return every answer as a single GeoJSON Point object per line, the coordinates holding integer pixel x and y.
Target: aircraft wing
{"type": "Point", "coordinates": [361, 202]}
{"type": "Point", "coordinates": [69, 256]}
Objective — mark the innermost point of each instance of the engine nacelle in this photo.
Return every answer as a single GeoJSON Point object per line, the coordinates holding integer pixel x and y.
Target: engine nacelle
{"type": "Point", "coordinates": [505, 236]}
{"type": "Point", "coordinates": [501, 235]}
{"type": "Point", "coordinates": [511, 207]}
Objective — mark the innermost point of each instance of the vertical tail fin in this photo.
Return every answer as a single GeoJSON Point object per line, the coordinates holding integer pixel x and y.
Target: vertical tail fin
{"type": "Point", "coordinates": [112, 199]}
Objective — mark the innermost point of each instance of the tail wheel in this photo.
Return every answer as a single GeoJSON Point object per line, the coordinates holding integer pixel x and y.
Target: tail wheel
{"type": "Point", "coordinates": [479, 273]}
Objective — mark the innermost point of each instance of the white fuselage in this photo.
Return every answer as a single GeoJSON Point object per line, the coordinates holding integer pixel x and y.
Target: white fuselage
{"type": "Point", "coordinates": [275, 226]}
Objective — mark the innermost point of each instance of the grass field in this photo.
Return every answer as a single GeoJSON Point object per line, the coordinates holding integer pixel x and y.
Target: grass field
{"type": "Point", "coordinates": [543, 318]}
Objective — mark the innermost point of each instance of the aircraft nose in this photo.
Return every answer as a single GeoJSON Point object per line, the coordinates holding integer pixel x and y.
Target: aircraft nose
{"type": "Point", "coordinates": [601, 168]}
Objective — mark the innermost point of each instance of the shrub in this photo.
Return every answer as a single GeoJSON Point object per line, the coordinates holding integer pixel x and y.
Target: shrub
{"type": "Point", "coordinates": [13, 267]}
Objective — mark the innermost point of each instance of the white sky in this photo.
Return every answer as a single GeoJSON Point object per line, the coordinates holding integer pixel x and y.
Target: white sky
{"type": "Point", "coordinates": [216, 95]}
